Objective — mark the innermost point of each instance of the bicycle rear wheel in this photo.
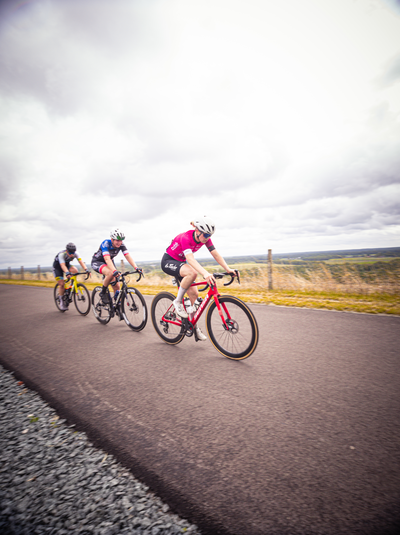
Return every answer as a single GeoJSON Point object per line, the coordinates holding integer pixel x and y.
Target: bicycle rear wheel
{"type": "Point", "coordinates": [237, 338]}
{"type": "Point", "coordinates": [101, 311]}
{"type": "Point", "coordinates": [82, 299]}
{"type": "Point", "coordinates": [162, 313]}
{"type": "Point", "coordinates": [134, 309]}
{"type": "Point", "coordinates": [57, 297]}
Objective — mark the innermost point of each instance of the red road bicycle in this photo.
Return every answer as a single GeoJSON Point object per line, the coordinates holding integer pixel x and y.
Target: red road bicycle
{"type": "Point", "coordinates": [231, 325]}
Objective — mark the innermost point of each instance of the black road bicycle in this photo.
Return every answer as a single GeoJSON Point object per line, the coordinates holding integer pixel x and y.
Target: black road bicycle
{"type": "Point", "coordinates": [129, 306]}
{"type": "Point", "coordinates": [76, 291]}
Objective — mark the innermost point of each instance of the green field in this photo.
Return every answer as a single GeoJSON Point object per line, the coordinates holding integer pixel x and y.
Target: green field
{"type": "Point", "coordinates": [358, 260]}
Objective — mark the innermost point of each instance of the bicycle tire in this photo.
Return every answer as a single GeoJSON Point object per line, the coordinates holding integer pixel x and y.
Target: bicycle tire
{"type": "Point", "coordinates": [241, 340]}
{"type": "Point", "coordinates": [134, 309]}
{"type": "Point", "coordinates": [101, 311]}
{"type": "Point", "coordinates": [170, 333]}
{"type": "Point", "coordinates": [82, 299]}
{"type": "Point", "coordinates": [57, 298]}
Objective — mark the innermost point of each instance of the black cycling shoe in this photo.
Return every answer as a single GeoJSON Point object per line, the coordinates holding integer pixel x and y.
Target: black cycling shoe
{"type": "Point", "coordinates": [105, 297]}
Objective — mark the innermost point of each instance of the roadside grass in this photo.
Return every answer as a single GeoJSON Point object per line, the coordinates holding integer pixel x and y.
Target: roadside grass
{"type": "Point", "coordinates": [254, 289]}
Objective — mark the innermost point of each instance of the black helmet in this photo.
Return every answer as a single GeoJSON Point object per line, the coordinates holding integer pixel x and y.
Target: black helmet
{"type": "Point", "coordinates": [71, 248]}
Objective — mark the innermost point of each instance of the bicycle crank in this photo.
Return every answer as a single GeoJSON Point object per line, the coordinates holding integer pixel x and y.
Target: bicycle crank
{"type": "Point", "coordinates": [187, 327]}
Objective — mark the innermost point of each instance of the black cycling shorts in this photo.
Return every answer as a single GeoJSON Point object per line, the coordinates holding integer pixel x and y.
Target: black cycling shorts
{"type": "Point", "coordinates": [57, 271]}
{"type": "Point", "coordinates": [98, 265]}
{"type": "Point", "coordinates": [171, 266]}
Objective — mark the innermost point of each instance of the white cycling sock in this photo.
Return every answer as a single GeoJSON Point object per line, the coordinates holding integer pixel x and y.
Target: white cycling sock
{"type": "Point", "coordinates": [181, 293]}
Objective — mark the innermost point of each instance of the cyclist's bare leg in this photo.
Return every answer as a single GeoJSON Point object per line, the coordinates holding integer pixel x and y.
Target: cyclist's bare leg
{"type": "Point", "coordinates": [188, 275]}
{"type": "Point", "coordinates": [108, 277]}
{"type": "Point", "coordinates": [192, 293]}
{"type": "Point", "coordinates": [61, 286]}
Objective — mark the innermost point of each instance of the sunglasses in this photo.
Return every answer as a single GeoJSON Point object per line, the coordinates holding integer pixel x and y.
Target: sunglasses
{"type": "Point", "coordinates": [206, 235]}
{"type": "Point", "coordinates": [118, 238]}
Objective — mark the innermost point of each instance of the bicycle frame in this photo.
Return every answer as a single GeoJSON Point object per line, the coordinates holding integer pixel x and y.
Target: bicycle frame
{"type": "Point", "coordinates": [212, 293]}
{"type": "Point", "coordinates": [72, 282]}
{"type": "Point", "coordinates": [124, 285]}
{"type": "Point", "coordinates": [114, 305]}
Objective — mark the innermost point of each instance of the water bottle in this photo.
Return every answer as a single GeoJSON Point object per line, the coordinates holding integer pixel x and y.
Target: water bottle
{"type": "Point", "coordinates": [197, 303]}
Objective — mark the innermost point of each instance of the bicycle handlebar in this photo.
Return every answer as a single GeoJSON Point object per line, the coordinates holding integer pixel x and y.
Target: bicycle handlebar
{"type": "Point", "coordinates": [220, 276]}
{"type": "Point", "coordinates": [87, 273]}
{"type": "Point", "coordinates": [141, 274]}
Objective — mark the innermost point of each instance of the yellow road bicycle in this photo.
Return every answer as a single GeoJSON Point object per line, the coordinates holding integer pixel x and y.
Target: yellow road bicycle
{"type": "Point", "coordinates": [76, 291]}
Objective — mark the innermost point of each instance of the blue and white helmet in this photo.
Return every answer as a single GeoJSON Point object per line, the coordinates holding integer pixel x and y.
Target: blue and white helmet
{"type": "Point", "coordinates": [117, 234]}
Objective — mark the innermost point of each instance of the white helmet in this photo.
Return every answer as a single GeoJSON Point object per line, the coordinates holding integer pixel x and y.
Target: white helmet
{"type": "Point", "coordinates": [117, 234]}
{"type": "Point", "coordinates": [205, 224]}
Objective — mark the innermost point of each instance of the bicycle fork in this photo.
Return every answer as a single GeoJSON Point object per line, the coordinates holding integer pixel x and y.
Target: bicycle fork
{"type": "Point", "coordinates": [229, 324]}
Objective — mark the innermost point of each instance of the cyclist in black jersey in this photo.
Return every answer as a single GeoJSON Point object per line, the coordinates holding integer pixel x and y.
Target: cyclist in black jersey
{"type": "Point", "coordinates": [61, 266]}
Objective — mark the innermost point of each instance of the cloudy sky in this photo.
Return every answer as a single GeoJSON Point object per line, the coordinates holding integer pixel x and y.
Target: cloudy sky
{"type": "Point", "coordinates": [278, 119]}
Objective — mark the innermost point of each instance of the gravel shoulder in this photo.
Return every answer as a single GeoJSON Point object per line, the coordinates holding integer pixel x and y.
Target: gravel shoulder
{"type": "Point", "coordinates": [54, 481]}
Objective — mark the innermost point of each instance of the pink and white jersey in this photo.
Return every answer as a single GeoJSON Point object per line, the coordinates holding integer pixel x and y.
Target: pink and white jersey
{"type": "Point", "coordinates": [185, 243]}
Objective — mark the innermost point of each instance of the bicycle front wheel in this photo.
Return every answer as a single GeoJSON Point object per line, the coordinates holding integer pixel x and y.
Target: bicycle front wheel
{"type": "Point", "coordinates": [165, 320]}
{"type": "Point", "coordinates": [134, 309]}
{"type": "Point", "coordinates": [233, 329]}
{"type": "Point", "coordinates": [101, 311]}
{"type": "Point", "coordinates": [57, 297]}
{"type": "Point", "coordinates": [82, 299]}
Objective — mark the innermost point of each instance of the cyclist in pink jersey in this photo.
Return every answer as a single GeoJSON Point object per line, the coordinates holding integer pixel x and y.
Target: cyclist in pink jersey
{"type": "Point", "coordinates": [179, 262]}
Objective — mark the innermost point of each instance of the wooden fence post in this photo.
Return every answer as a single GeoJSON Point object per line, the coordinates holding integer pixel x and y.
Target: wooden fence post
{"type": "Point", "coordinates": [38, 272]}
{"type": "Point", "coordinates": [9, 273]}
{"type": "Point", "coordinates": [270, 285]}
{"type": "Point", "coordinates": [122, 266]}
{"type": "Point", "coordinates": [22, 273]}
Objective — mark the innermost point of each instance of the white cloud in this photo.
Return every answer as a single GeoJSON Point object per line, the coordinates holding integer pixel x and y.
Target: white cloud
{"type": "Point", "coordinates": [281, 120]}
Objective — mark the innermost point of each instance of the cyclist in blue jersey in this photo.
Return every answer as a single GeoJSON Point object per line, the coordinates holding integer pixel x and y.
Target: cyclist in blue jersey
{"type": "Point", "coordinates": [61, 266]}
{"type": "Point", "coordinates": [103, 263]}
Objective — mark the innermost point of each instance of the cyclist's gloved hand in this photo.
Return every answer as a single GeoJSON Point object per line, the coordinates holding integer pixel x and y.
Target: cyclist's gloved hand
{"type": "Point", "coordinates": [139, 270]}
{"type": "Point", "coordinates": [116, 273]}
{"type": "Point", "coordinates": [68, 274]}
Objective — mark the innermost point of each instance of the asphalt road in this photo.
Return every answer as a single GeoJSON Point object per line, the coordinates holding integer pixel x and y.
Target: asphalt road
{"type": "Point", "coordinates": [302, 438]}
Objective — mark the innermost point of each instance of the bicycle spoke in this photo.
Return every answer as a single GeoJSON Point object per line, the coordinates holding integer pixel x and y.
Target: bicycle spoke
{"type": "Point", "coordinates": [101, 311]}
{"type": "Point", "coordinates": [57, 297]}
{"type": "Point", "coordinates": [165, 319]}
{"type": "Point", "coordinates": [134, 309]}
{"type": "Point", "coordinates": [235, 335]}
{"type": "Point", "coordinates": [82, 299]}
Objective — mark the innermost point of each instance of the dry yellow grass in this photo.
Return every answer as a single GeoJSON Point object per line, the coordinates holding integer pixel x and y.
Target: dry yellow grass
{"type": "Point", "coordinates": [315, 288]}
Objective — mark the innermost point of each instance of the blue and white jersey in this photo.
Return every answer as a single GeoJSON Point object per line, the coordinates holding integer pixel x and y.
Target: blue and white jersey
{"type": "Point", "coordinates": [107, 249]}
